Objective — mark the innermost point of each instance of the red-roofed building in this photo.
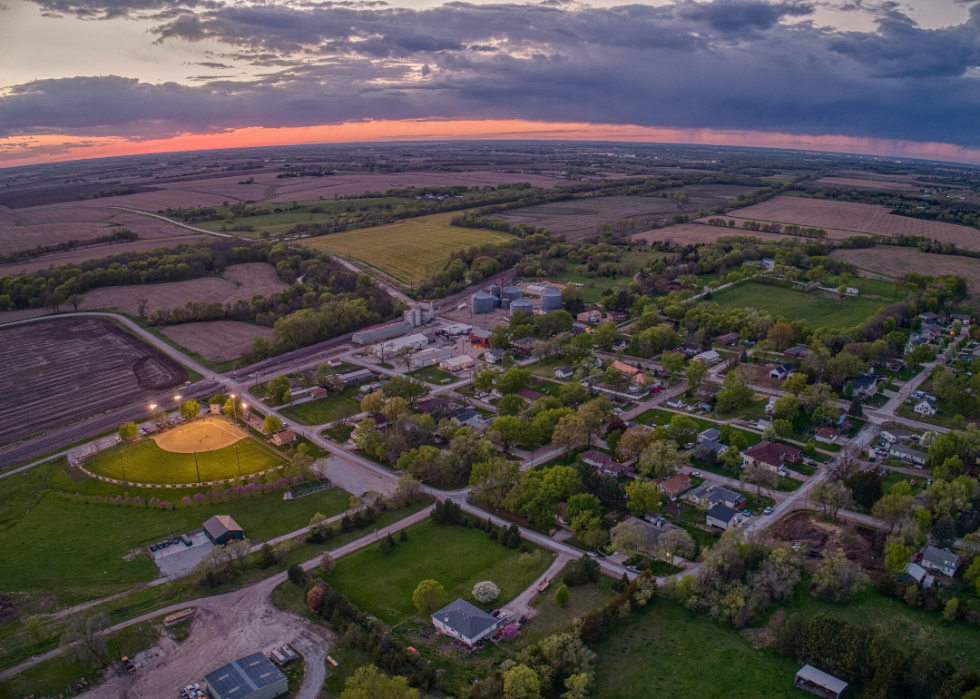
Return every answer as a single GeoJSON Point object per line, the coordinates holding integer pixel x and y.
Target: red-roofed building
{"type": "Point", "coordinates": [827, 435]}
{"type": "Point", "coordinates": [529, 395]}
{"type": "Point", "coordinates": [631, 371]}
{"type": "Point", "coordinates": [675, 485]}
{"type": "Point", "coordinates": [771, 455]}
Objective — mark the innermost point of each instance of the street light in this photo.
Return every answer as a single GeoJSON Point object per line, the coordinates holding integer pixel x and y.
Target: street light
{"type": "Point", "coordinates": [234, 404]}
{"type": "Point", "coordinates": [197, 466]}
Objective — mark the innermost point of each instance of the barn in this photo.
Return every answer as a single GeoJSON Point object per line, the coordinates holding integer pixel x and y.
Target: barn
{"type": "Point", "coordinates": [222, 528]}
{"type": "Point", "coordinates": [252, 677]}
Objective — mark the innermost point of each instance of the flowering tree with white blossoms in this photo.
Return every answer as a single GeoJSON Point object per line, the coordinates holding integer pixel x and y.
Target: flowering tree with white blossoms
{"type": "Point", "coordinates": [485, 591]}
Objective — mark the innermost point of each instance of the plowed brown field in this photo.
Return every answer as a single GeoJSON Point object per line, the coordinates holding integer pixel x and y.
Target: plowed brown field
{"type": "Point", "coordinates": [845, 182]}
{"type": "Point", "coordinates": [241, 282]}
{"type": "Point", "coordinates": [853, 219]}
{"type": "Point", "coordinates": [892, 261]}
{"type": "Point", "coordinates": [90, 252]}
{"type": "Point", "coordinates": [218, 340]}
{"type": "Point", "coordinates": [693, 233]}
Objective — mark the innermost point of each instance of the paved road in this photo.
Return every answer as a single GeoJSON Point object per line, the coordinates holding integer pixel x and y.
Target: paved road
{"type": "Point", "coordinates": [179, 224]}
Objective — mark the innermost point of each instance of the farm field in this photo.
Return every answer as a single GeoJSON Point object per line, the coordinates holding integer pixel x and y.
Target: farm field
{"type": "Point", "coordinates": [241, 282]}
{"type": "Point", "coordinates": [275, 223]}
{"type": "Point", "coordinates": [323, 410]}
{"type": "Point", "coordinates": [660, 652]}
{"type": "Point", "coordinates": [92, 252]}
{"type": "Point", "coordinates": [23, 229]}
{"type": "Point", "coordinates": [94, 537]}
{"type": "Point", "coordinates": [693, 233]}
{"type": "Point", "coordinates": [818, 310]}
{"type": "Point", "coordinates": [344, 184]}
{"type": "Point", "coordinates": [846, 218]}
{"type": "Point", "coordinates": [457, 557]}
{"type": "Point", "coordinates": [61, 370]}
{"type": "Point", "coordinates": [893, 262]}
{"type": "Point", "coordinates": [860, 183]}
{"type": "Point", "coordinates": [146, 461]}
{"type": "Point", "coordinates": [407, 249]}
{"type": "Point", "coordinates": [217, 340]}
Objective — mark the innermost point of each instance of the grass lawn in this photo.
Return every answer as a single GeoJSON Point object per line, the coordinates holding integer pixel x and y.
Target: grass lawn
{"type": "Point", "coordinates": [818, 310]}
{"type": "Point", "coordinates": [408, 249]}
{"type": "Point", "coordinates": [317, 412]}
{"type": "Point", "coordinates": [549, 388]}
{"type": "Point", "coordinates": [330, 211]}
{"type": "Point", "coordinates": [434, 375]}
{"type": "Point", "coordinates": [595, 287]}
{"type": "Point", "coordinates": [754, 410]}
{"type": "Point", "coordinates": [896, 477]}
{"type": "Point", "coordinates": [667, 652]}
{"type": "Point", "coordinates": [74, 551]}
{"type": "Point", "coordinates": [145, 462]}
{"type": "Point", "coordinates": [339, 434]}
{"type": "Point", "coordinates": [552, 617]}
{"type": "Point", "coordinates": [457, 557]}
{"type": "Point", "coordinates": [663, 417]}
{"type": "Point", "coordinates": [546, 368]}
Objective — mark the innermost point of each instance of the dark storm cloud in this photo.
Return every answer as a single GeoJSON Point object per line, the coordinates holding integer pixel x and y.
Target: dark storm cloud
{"type": "Point", "coordinates": [724, 64]}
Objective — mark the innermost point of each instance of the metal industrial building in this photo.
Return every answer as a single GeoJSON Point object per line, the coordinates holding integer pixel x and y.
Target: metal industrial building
{"type": "Point", "coordinates": [222, 528]}
{"type": "Point", "coordinates": [385, 332]}
{"type": "Point", "coordinates": [482, 302]}
{"type": "Point", "coordinates": [252, 677]}
{"type": "Point", "coordinates": [551, 300]}
{"type": "Point", "coordinates": [521, 305]}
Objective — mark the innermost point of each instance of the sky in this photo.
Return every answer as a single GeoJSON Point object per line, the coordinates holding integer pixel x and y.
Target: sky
{"type": "Point", "coordinates": [93, 78]}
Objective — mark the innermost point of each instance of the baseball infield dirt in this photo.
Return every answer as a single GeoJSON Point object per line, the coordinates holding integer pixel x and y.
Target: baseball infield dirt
{"type": "Point", "coordinates": [207, 434]}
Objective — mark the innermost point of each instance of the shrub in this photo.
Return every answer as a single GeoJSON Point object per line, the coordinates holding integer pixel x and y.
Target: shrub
{"type": "Point", "coordinates": [296, 574]}
{"type": "Point", "coordinates": [562, 595]}
{"type": "Point", "coordinates": [485, 592]}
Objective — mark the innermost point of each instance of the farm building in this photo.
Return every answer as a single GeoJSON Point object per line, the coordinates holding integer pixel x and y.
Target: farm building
{"type": "Point", "coordinates": [464, 621]}
{"type": "Point", "coordinates": [221, 529]}
{"type": "Point", "coordinates": [384, 332]}
{"type": "Point", "coordinates": [521, 306]}
{"type": "Point", "coordinates": [252, 677]}
{"type": "Point", "coordinates": [416, 341]}
{"type": "Point", "coordinates": [429, 357]}
{"type": "Point", "coordinates": [819, 682]}
{"type": "Point", "coordinates": [722, 516]}
{"type": "Point", "coordinates": [460, 363]}
{"type": "Point", "coordinates": [551, 300]}
{"type": "Point", "coordinates": [480, 337]}
{"type": "Point", "coordinates": [458, 329]}
{"type": "Point", "coordinates": [357, 375]}
{"type": "Point", "coordinates": [482, 302]}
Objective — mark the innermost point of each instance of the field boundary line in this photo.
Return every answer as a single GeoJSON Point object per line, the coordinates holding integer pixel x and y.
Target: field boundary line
{"type": "Point", "coordinates": [179, 224]}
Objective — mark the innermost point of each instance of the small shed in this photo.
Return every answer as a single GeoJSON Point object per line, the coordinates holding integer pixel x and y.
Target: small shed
{"type": "Point", "coordinates": [222, 528]}
{"type": "Point", "coordinates": [215, 408]}
{"type": "Point", "coordinates": [819, 682]}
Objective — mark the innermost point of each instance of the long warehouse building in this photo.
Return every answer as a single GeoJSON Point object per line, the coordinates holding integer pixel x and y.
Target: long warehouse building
{"type": "Point", "coordinates": [252, 677]}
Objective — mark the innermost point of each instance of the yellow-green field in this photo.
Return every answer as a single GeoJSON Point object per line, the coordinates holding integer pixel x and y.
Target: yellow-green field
{"type": "Point", "coordinates": [407, 249]}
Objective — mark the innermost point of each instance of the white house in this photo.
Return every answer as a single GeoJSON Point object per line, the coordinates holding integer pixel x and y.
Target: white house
{"type": "Point", "coordinates": [464, 621]}
{"type": "Point", "coordinates": [722, 516]}
{"type": "Point", "coordinates": [709, 357]}
{"type": "Point", "coordinates": [942, 560]}
{"type": "Point", "coordinates": [460, 363]}
{"type": "Point", "coordinates": [781, 371]}
{"type": "Point", "coordinates": [926, 408]}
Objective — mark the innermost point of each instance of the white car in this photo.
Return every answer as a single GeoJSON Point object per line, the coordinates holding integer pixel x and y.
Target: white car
{"type": "Point", "coordinates": [768, 510]}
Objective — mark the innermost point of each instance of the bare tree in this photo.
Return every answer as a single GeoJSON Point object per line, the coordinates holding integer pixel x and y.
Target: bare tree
{"type": "Point", "coordinates": [761, 475]}
{"type": "Point", "coordinates": [141, 305]}
{"type": "Point", "coordinates": [845, 464]}
{"type": "Point", "coordinates": [833, 496]}
{"type": "Point", "coordinates": [90, 636]}
{"type": "Point", "coordinates": [239, 550]}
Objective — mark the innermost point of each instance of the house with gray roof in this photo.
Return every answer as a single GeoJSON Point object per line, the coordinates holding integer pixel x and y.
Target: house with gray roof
{"type": "Point", "coordinates": [251, 677]}
{"type": "Point", "coordinates": [908, 454]}
{"type": "Point", "coordinates": [709, 494]}
{"type": "Point", "coordinates": [722, 516]}
{"type": "Point", "coordinates": [464, 621]}
{"type": "Point", "coordinates": [818, 682]}
{"type": "Point", "coordinates": [940, 560]}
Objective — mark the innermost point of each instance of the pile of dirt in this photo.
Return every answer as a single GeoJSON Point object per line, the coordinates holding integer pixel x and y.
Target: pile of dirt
{"type": "Point", "coordinates": [860, 544]}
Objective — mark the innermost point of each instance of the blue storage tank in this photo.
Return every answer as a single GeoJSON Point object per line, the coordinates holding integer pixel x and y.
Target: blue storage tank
{"type": "Point", "coordinates": [521, 305]}
{"type": "Point", "coordinates": [482, 302]}
{"type": "Point", "coordinates": [551, 300]}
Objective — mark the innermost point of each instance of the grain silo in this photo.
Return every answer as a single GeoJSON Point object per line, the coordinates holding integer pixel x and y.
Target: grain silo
{"type": "Point", "coordinates": [551, 300]}
{"type": "Point", "coordinates": [495, 292]}
{"type": "Point", "coordinates": [482, 302]}
{"type": "Point", "coordinates": [512, 292]}
{"type": "Point", "coordinates": [505, 302]}
{"type": "Point", "coordinates": [521, 305]}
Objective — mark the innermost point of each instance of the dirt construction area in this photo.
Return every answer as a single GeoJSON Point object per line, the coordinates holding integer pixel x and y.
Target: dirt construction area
{"type": "Point", "coordinates": [207, 434]}
{"type": "Point", "coordinates": [240, 282]}
{"type": "Point", "coordinates": [866, 546]}
{"type": "Point", "coordinates": [225, 628]}
{"type": "Point", "coordinates": [217, 340]}
{"type": "Point", "coordinates": [61, 370]}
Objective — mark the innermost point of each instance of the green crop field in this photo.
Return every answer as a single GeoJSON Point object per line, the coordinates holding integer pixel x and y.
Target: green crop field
{"type": "Point", "coordinates": [667, 651]}
{"type": "Point", "coordinates": [457, 557]}
{"type": "Point", "coordinates": [323, 410]}
{"type": "Point", "coordinates": [281, 222]}
{"type": "Point", "coordinates": [408, 249]}
{"type": "Point", "coordinates": [72, 548]}
{"type": "Point", "coordinates": [818, 310]}
{"type": "Point", "coordinates": [145, 462]}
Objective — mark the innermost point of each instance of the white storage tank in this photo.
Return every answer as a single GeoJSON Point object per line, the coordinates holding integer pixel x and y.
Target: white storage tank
{"type": "Point", "coordinates": [521, 305]}
{"type": "Point", "coordinates": [482, 302]}
{"type": "Point", "coordinates": [551, 300]}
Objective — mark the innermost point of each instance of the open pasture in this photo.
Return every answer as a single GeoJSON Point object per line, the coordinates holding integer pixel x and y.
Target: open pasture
{"type": "Point", "coordinates": [160, 199]}
{"type": "Point", "coordinates": [816, 308]}
{"type": "Point", "coordinates": [408, 248]}
{"type": "Point", "coordinates": [861, 183]}
{"type": "Point", "coordinates": [893, 262]}
{"type": "Point", "coordinates": [217, 340]}
{"type": "Point", "coordinates": [61, 370]}
{"type": "Point", "coordinates": [306, 188]}
{"type": "Point", "coordinates": [24, 229]}
{"type": "Point", "coordinates": [241, 282]}
{"type": "Point", "coordinates": [853, 219]}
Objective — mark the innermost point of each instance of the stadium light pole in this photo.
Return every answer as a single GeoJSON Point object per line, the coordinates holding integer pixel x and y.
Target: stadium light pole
{"type": "Point", "coordinates": [239, 460]}
{"type": "Point", "coordinates": [122, 457]}
{"type": "Point", "coordinates": [234, 405]}
{"type": "Point", "coordinates": [198, 467]}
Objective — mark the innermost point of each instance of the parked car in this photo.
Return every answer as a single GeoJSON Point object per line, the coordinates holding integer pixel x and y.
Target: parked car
{"type": "Point", "coordinates": [768, 510]}
{"type": "Point", "coordinates": [697, 474]}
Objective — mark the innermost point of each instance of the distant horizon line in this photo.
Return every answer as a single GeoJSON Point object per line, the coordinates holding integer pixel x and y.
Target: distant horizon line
{"type": "Point", "coordinates": [62, 148]}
